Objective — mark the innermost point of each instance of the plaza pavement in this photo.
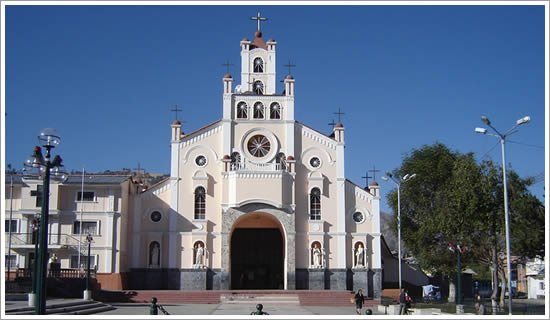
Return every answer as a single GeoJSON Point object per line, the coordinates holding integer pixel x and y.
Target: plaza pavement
{"type": "Point", "coordinates": [129, 309]}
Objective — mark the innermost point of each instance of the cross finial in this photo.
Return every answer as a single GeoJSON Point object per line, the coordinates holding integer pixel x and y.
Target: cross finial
{"type": "Point", "coordinates": [289, 65]}
{"type": "Point", "coordinates": [367, 177]}
{"type": "Point", "coordinates": [258, 18]}
{"type": "Point", "coordinates": [227, 64]}
{"type": "Point", "coordinates": [332, 123]}
{"type": "Point", "coordinates": [139, 169]}
{"type": "Point", "coordinates": [374, 171]}
{"type": "Point", "coordinates": [176, 110]}
{"type": "Point", "coordinates": [339, 113]}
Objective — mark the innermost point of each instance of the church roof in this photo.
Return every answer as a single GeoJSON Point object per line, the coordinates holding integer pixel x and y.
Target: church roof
{"type": "Point", "coordinates": [319, 132]}
{"type": "Point", "coordinates": [258, 41]}
{"type": "Point", "coordinates": [200, 129]}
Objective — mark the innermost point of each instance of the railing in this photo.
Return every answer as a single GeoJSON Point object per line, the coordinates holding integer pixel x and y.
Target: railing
{"type": "Point", "coordinates": [253, 166]}
{"type": "Point", "coordinates": [61, 273]}
{"type": "Point", "coordinates": [20, 239]}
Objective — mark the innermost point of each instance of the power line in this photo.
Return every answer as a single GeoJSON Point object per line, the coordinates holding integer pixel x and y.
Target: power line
{"type": "Point", "coordinates": [526, 144]}
{"type": "Point", "coordinates": [486, 153]}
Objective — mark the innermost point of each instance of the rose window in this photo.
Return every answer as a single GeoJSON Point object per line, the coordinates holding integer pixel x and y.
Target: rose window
{"type": "Point", "coordinates": [259, 146]}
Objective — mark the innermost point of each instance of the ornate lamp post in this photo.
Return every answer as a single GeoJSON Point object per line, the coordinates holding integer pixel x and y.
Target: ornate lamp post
{"type": "Point", "coordinates": [397, 183]}
{"type": "Point", "coordinates": [502, 138]}
{"type": "Point", "coordinates": [35, 224]}
{"type": "Point", "coordinates": [49, 139]}
{"type": "Point", "coordinates": [87, 293]}
{"type": "Point", "coordinates": [459, 251]}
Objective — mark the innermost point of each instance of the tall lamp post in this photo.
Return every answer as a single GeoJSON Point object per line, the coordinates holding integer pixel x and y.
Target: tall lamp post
{"type": "Point", "coordinates": [87, 293]}
{"type": "Point", "coordinates": [502, 138]}
{"type": "Point", "coordinates": [398, 183]}
{"type": "Point", "coordinates": [49, 139]}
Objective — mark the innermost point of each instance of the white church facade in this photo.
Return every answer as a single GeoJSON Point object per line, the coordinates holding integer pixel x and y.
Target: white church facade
{"type": "Point", "coordinates": [258, 200]}
{"type": "Point", "coordinates": [255, 200]}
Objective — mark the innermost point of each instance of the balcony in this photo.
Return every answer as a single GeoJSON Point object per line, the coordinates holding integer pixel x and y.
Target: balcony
{"type": "Point", "coordinates": [55, 241]}
{"type": "Point", "coordinates": [248, 165]}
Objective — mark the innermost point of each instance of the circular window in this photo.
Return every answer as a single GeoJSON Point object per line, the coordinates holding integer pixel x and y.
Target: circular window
{"type": "Point", "coordinates": [315, 162]}
{"type": "Point", "coordinates": [358, 217]}
{"type": "Point", "coordinates": [156, 216]}
{"type": "Point", "coordinates": [258, 146]}
{"type": "Point", "coordinates": [200, 161]}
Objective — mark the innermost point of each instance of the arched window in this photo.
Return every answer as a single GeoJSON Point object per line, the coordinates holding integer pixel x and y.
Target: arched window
{"type": "Point", "coordinates": [258, 65]}
{"type": "Point", "coordinates": [200, 203]}
{"type": "Point", "coordinates": [275, 111]}
{"type": "Point", "coordinates": [315, 204]}
{"type": "Point", "coordinates": [242, 110]}
{"type": "Point", "coordinates": [281, 160]}
{"type": "Point", "coordinates": [258, 87]}
{"type": "Point", "coordinates": [258, 110]}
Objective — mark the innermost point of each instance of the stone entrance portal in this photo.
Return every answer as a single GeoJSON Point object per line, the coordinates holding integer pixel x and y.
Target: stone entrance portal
{"type": "Point", "coordinates": [257, 259]}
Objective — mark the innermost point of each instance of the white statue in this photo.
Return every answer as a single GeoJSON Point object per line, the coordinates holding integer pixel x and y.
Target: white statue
{"type": "Point", "coordinates": [317, 256]}
{"type": "Point", "coordinates": [53, 259]}
{"type": "Point", "coordinates": [155, 252]}
{"type": "Point", "coordinates": [199, 254]}
{"type": "Point", "coordinates": [360, 255]}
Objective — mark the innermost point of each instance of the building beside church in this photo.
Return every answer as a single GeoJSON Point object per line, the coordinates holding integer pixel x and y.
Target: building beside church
{"type": "Point", "coordinates": [255, 200]}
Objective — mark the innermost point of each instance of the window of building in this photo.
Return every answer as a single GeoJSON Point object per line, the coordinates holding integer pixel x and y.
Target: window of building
{"type": "Point", "coordinates": [242, 110]}
{"type": "Point", "coordinates": [275, 111]}
{"type": "Point", "coordinates": [541, 285]}
{"type": "Point", "coordinates": [11, 261]}
{"type": "Point", "coordinates": [88, 227]}
{"type": "Point", "coordinates": [259, 146]}
{"type": "Point", "coordinates": [358, 217]}
{"type": "Point", "coordinates": [83, 261]}
{"type": "Point", "coordinates": [89, 196]}
{"type": "Point", "coordinates": [258, 110]}
{"type": "Point", "coordinates": [11, 225]}
{"type": "Point", "coordinates": [315, 204]}
{"type": "Point", "coordinates": [200, 203]}
{"type": "Point", "coordinates": [200, 161]}
{"type": "Point", "coordinates": [258, 65]}
{"type": "Point", "coordinates": [156, 216]}
{"type": "Point", "coordinates": [258, 87]}
{"type": "Point", "coordinates": [38, 194]}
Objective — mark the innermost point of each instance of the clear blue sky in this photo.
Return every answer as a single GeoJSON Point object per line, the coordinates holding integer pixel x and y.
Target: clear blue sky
{"type": "Point", "coordinates": [106, 77]}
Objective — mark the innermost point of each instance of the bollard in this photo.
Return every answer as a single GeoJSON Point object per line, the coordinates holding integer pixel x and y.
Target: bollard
{"type": "Point", "coordinates": [368, 312]}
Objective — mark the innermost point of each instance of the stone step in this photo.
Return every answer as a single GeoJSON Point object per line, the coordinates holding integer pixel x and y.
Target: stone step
{"type": "Point", "coordinates": [259, 298]}
{"type": "Point", "coordinates": [76, 307]}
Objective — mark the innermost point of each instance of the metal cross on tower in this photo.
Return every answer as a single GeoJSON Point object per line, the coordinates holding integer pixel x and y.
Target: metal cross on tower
{"type": "Point", "coordinates": [374, 171]}
{"type": "Point", "coordinates": [258, 18]}
{"type": "Point", "coordinates": [289, 65]}
{"type": "Point", "coordinates": [332, 123]}
{"type": "Point", "coordinates": [339, 113]}
{"type": "Point", "coordinates": [139, 169]}
{"type": "Point", "coordinates": [367, 177]}
{"type": "Point", "coordinates": [176, 110]}
{"type": "Point", "coordinates": [227, 64]}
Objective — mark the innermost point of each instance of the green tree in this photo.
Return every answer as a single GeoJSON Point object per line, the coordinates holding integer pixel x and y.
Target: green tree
{"type": "Point", "coordinates": [439, 206]}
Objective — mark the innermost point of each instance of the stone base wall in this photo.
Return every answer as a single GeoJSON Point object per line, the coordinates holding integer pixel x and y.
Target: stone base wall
{"type": "Point", "coordinates": [317, 279]}
{"type": "Point", "coordinates": [193, 279]}
{"type": "Point", "coordinates": [361, 281]}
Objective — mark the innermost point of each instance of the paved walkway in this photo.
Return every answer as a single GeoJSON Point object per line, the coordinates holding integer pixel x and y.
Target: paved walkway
{"type": "Point", "coordinates": [210, 309]}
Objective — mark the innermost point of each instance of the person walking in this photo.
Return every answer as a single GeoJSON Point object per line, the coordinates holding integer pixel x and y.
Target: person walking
{"type": "Point", "coordinates": [359, 300]}
{"type": "Point", "coordinates": [480, 308]}
{"type": "Point", "coordinates": [403, 301]}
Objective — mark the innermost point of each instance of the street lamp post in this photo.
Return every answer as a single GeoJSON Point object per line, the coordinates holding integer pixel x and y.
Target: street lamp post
{"type": "Point", "coordinates": [87, 293]}
{"type": "Point", "coordinates": [502, 138]}
{"type": "Point", "coordinates": [49, 139]}
{"type": "Point", "coordinates": [397, 183]}
{"type": "Point", "coordinates": [35, 224]}
{"type": "Point", "coordinates": [459, 251]}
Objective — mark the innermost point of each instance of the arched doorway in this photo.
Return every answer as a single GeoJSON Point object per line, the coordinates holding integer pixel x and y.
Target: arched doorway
{"type": "Point", "coordinates": [257, 252]}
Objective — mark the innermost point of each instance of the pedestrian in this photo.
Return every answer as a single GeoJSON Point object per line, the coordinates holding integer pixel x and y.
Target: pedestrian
{"type": "Point", "coordinates": [259, 310]}
{"type": "Point", "coordinates": [359, 300]}
{"type": "Point", "coordinates": [403, 301]}
{"type": "Point", "coordinates": [480, 308]}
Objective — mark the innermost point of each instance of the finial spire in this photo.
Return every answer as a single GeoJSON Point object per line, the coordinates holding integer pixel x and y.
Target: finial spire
{"type": "Point", "coordinates": [258, 18]}
{"type": "Point", "coordinates": [176, 110]}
